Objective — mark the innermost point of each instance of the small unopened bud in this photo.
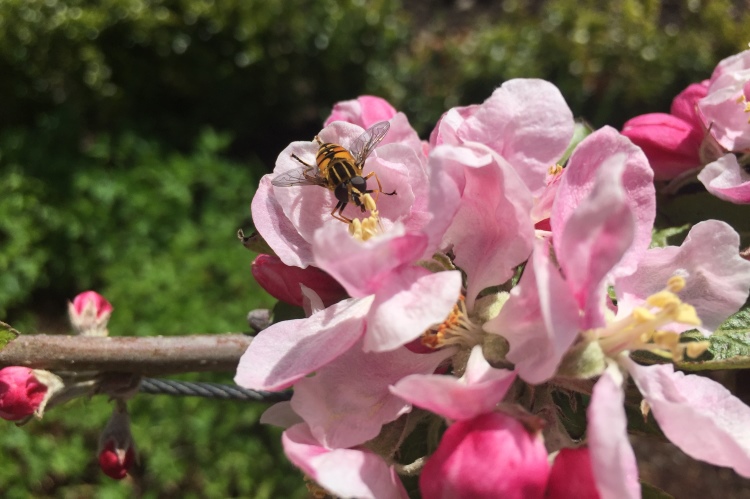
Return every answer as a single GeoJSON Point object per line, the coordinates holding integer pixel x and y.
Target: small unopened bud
{"type": "Point", "coordinates": [89, 314]}
{"type": "Point", "coordinates": [116, 448]}
{"type": "Point", "coordinates": [25, 392]}
{"type": "Point", "coordinates": [572, 476]}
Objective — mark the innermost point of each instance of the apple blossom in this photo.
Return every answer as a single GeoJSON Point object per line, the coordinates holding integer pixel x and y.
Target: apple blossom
{"type": "Point", "coordinates": [116, 448]}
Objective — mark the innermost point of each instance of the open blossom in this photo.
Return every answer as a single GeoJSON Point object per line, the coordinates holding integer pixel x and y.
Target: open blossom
{"type": "Point", "coordinates": [709, 124]}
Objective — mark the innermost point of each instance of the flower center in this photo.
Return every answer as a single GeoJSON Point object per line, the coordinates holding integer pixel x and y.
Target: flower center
{"type": "Point", "coordinates": [641, 330]}
{"type": "Point", "coordinates": [456, 329]}
{"type": "Point", "coordinates": [368, 227]}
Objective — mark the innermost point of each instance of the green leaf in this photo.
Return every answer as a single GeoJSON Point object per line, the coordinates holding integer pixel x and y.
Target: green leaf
{"type": "Point", "coordinates": [7, 334]}
{"type": "Point", "coordinates": [729, 346]}
{"type": "Point", "coordinates": [659, 237]}
{"type": "Point", "coordinates": [580, 132]}
{"type": "Point", "coordinates": [649, 491]}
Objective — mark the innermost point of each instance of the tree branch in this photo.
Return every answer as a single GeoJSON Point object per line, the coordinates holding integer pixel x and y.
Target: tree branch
{"type": "Point", "coordinates": [149, 356]}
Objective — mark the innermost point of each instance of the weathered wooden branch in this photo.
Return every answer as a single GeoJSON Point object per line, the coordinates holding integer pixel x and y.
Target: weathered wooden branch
{"type": "Point", "coordinates": [149, 356]}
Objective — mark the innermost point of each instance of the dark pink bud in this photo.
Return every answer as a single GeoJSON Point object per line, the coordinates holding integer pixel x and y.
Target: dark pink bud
{"type": "Point", "coordinates": [490, 456]}
{"type": "Point", "coordinates": [89, 314]}
{"type": "Point", "coordinates": [685, 105]}
{"type": "Point", "coordinates": [671, 144]}
{"type": "Point", "coordinates": [283, 282]}
{"type": "Point", "coordinates": [21, 392]}
{"type": "Point", "coordinates": [116, 449]}
{"type": "Point", "coordinates": [572, 476]}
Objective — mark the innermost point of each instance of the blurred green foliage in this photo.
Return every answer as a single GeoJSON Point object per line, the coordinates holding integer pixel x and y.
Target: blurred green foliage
{"type": "Point", "coordinates": [132, 133]}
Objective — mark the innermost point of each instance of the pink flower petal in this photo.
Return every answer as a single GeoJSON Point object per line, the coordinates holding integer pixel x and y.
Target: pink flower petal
{"type": "Point", "coordinates": [594, 238]}
{"type": "Point", "coordinates": [364, 267]}
{"type": "Point", "coordinates": [727, 180]}
{"type": "Point", "coordinates": [347, 402]}
{"type": "Point", "coordinates": [486, 457]}
{"type": "Point", "coordinates": [540, 320]}
{"type": "Point", "coordinates": [527, 122]}
{"type": "Point", "coordinates": [612, 457]}
{"type": "Point", "coordinates": [477, 392]}
{"type": "Point", "coordinates": [446, 129]}
{"type": "Point", "coordinates": [698, 415]}
{"type": "Point", "coordinates": [290, 350]}
{"type": "Point", "coordinates": [592, 155]}
{"type": "Point", "coordinates": [721, 108]}
{"type": "Point", "coordinates": [717, 278]}
{"type": "Point", "coordinates": [364, 111]}
{"type": "Point", "coordinates": [280, 234]}
{"type": "Point", "coordinates": [671, 144]}
{"type": "Point", "coordinates": [280, 414]}
{"type": "Point", "coordinates": [492, 231]}
{"type": "Point", "coordinates": [409, 303]}
{"type": "Point", "coordinates": [343, 472]}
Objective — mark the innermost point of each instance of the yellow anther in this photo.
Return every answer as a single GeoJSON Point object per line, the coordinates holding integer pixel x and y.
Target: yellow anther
{"type": "Point", "coordinates": [555, 169]}
{"type": "Point", "coordinates": [369, 203]}
{"type": "Point", "coordinates": [641, 315]}
{"type": "Point", "coordinates": [686, 314]}
{"type": "Point", "coordinates": [740, 99]}
{"type": "Point", "coordinates": [663, 299]}
{"type": "Point", "coordinates": [667, 339]}
{"type": "Point", "coordinates": [695, 349]}
{"type": "Point", "coordinates": [675, 284]}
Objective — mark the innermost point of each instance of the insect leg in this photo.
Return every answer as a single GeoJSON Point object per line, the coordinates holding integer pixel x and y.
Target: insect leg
{"type": "Point", "coordinates": [380, 186]}
{"type": "Point", "coordinates": [340, 206]}
{"type": "Point", "coordinates": [307, 171]}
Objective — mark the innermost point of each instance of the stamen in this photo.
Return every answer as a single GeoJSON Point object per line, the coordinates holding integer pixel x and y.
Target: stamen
{"type": "Point", "coordinates": [456, 329]}
{"type": "Point", "coordinates": [642, 329]}
{"type": "Point", "coordinates": [367, 227]}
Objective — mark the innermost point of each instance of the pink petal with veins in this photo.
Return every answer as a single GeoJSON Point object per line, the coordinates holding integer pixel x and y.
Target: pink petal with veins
{"type": "Point", "coordinates": [717, 278]}
{"type": "Point", "coordinates": [287, 351]}
{"type": "Point", "coordinates": [409, 303]}
{"type": "Point", "coordinates": [727, 180]}
{"type": "Point", "coordinates": [593, 154]}
{"type": "Point", "coordinates": [698, 415]}
{"type": "Point", "coordinates": [477, 392]}
{"type": "Point", "coordinates": [540, 320]}
{"type": "Point", "coordinates": [343, 472]}
{"type": "Point", "coordinates": [348, 401]}
{"type": "Point", "coordinates": [612, 458]}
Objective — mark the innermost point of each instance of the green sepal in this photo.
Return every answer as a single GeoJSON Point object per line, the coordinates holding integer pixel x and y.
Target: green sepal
{"type": "Point", "coordinates": [254, 242]}
{"type": "Point", "coordinates": [7, 334]}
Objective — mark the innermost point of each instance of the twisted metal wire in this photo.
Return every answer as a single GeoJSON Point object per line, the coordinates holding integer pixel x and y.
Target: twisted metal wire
{"type": "Point", "coordinates": [209, 390]}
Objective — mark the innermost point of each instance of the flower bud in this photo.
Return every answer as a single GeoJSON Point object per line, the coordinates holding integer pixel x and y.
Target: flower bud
{"type": "Point", "coordinates": [492, 455]}
{"type": "Point", "coordinates": [25, 391]}
{"type": "Point", "coordinates": [572, 476]}
{"type": "Point", "coordinates": [89, 313]}
{"type": "Point", "coordinates": [283, 282]}
{"type": "Point", "coordinates": [116, 448]}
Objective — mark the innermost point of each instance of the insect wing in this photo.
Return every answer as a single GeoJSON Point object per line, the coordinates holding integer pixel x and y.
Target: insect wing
{"type": "Point", "coordinates": [365, 143]}
{"type": "Point", "coordinates": [304, 175]}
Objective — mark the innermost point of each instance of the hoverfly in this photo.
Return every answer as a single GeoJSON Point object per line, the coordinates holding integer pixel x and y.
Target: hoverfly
{"type": "Point", "coordinates": [339, 170]}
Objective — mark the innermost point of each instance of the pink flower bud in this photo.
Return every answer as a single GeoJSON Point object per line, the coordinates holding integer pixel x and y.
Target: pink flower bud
{"type": "Point", "coordinates": [89, 313]}
{"type": "Point", "coordinates": [490, 456]}
{"type": "Point", "coordinates": [671, 144]}
{"type": "Point", "coordinates": [283, 282]}
{"type": "Point", "coordinates": [685, 105]}
{"type": "Point", "coordinates": [572, 476]}
{"type": "Point", "coordinates": [25, 391]}
{"type": "Point", "coordinates": [116, 449]}
{"type": "Point", "coordinates": [363, 111]}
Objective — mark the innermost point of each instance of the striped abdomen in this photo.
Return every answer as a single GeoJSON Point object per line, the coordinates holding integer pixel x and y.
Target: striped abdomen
{"type": "Point", "coordinates": [336, 165]}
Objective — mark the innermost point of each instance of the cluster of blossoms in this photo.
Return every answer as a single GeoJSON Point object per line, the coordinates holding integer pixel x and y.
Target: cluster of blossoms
{"type": "Point", "coordinates": [508, 267]}
{"type": "Point", "coordinates": [27, 393]}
